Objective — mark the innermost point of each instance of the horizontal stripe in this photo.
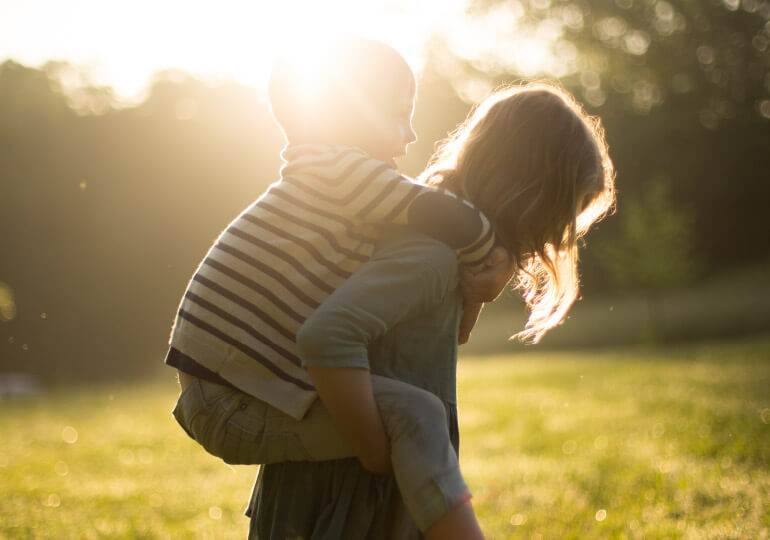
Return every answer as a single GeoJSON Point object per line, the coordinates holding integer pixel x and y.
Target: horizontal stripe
{"type": "Point", "coordinates": [278, 192]}
{"type": "Point", "coordinates": [381, 196]}
{"type": "Point", "coordinates": [346, 174]}
{"type": "Point", "coordinates": [209, 261]}
{"type": "Point", "coordinates": [299, 163]}
{"type": "Point", "coordinates": [245, 304]}
{"type": "Point", "coordinates": [479, 243]}
{"type": "Point", "coordinates": [349, 224]}
{"type": "Point", "coordinates": [243, 325]}
{"type": "Point", "coordinates": [296, 265]}
{"type": "Point", "coordinates": [248, 351]}
{"type": "Point", "coordinates": [401, 205]}
{"type": "Point", "coordinates": [359, 186]}
{"type": "Point", "coordinates": [307, 246]}
{"type": "Point", "coordinates": [326, 234]}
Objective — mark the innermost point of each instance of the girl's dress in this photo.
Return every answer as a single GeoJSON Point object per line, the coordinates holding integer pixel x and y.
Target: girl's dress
{"type": "Point", "coordinates": [339, 499]}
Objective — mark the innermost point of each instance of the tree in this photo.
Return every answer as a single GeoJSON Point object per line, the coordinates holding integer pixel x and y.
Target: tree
{"type": "Point", "coordinates": [711, 55]}
{"type": "Point", "coordinates": [652, 250]}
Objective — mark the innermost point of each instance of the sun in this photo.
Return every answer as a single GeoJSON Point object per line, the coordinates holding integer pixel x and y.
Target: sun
{"type": "Point", "coordinates": [122, 45]}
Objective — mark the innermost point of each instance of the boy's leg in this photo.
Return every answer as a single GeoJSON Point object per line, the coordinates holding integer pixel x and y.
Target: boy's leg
{"type": "Point", "coordinates": [241, 429]}
{"type": "Point", "coordinates": [424, 461]}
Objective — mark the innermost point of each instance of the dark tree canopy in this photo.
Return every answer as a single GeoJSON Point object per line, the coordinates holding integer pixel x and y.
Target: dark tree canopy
{"type": "Point", "coordinates": [713, 53]}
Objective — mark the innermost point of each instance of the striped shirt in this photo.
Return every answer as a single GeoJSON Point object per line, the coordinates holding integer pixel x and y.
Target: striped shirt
{"type": "Point", "coordinates": [288, 251]}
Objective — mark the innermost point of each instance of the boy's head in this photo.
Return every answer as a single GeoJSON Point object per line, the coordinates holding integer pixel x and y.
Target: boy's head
{"type": "Point", "coordinates": [346, 91]}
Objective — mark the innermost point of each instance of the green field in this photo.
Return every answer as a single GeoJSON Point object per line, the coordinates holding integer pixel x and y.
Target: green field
{"type": "Point", "coordinates": [668, 442]}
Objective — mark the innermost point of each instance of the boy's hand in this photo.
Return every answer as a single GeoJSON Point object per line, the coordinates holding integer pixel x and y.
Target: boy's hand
{"type": "Point", "coordinates": [470, 316]}
{"type": "Point", "coordinates": [487, 284]}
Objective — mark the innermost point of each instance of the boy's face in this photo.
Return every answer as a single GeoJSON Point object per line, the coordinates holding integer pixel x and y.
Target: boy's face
{"type": "Point", "coordinates": [394, 130]}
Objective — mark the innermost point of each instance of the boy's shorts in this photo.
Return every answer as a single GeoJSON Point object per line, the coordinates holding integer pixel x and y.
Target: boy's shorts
{"type": "Point", "coordinates": [241, 429]}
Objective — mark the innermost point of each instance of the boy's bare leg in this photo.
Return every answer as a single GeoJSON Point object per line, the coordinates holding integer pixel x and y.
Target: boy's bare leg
{"type": "Point", "coordinates": [459, 523]}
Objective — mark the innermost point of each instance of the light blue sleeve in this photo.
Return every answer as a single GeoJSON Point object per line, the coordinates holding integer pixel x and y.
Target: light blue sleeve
{"type": "Point", "coordinates": [407, 276]}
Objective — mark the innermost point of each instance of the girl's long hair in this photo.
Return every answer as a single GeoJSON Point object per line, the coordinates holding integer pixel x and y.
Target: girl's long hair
{"type": "Point", "coordinates": [537, 165]}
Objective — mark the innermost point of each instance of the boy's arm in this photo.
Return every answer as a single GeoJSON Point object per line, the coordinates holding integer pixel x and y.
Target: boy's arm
{"type": "Point", "coordinates": [367, 190]}
{"type": "Point", "coordinates": [436, 212]}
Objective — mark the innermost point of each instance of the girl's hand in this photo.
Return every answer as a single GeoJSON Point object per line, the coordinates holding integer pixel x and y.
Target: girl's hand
{"type": "Point", "coordinates": [487, 284]}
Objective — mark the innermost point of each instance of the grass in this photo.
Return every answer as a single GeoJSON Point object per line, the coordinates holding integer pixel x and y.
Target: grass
{"type": "Point", "coordinates": [667, 442]}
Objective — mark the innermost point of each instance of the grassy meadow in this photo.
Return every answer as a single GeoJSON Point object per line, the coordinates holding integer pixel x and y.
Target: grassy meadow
{"type": "Point", "coordinates": [668, 442]}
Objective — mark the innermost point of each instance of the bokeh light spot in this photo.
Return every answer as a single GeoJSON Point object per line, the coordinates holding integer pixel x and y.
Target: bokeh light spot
{"type": "Point", "coordinates": [569, 447]}
{"type": "Point", "coordinates": [705, 54]}
{"type": "Point", "coordinates": [601, 442]}
{"type": "Point", "coordinates": [215, 512]}
{"type": "Point", "coordinates": [61, 468]}
{"type": "Point", "coordinates": [636, 42]}
{"type": "Point", "coordinates": [52, 501]}
{"type": "Point", "coordinates": [69, 435]}
{"type": "Point", "coordinates": [764, 108]}
{"type": "Point", "coordinates": [595, 97]}
{"type": "Point", "coordinates": [518, 519]}
{"type": "Point", "coordinates": [144, 455]}
{"type": "Point", "coordinates": [601, 515]}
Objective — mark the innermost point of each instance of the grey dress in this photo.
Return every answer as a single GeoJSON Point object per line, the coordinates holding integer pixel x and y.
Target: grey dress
{"type": "Point", "coordinates": [411, 282]}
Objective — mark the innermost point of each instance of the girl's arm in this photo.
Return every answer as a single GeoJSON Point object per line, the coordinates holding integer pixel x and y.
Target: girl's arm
{"type": "Point", "coordinates": [333, 343]}
{"type": "Point", "coordinates": [348, 396]}
{"type": "Point", "coordinates": [483, 286]}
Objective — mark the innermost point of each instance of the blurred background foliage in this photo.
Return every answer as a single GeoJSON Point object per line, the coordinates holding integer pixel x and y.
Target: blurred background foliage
{"type": "Point", "coordinates": [106, 209]}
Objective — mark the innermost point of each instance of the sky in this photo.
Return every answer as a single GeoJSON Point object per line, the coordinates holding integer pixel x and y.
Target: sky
{"type": "Point", "coordinates": [122, 43]}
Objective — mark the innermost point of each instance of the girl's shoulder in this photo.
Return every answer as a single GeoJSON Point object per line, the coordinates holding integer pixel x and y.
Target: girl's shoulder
{"type": "Point", "coordinates": [413, 248]}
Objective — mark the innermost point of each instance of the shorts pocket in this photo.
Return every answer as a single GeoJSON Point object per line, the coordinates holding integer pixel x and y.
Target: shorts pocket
{"type": "Point", "coordinates": [264, 435]}
{"type": "Point", "coordinates": [244, 432]}
{"type": "Point", "coordinates": [205, 409]}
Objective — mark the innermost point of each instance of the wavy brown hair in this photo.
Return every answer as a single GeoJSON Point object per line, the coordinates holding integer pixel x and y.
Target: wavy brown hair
{"type": "Point", "coordinates": [537, 165]}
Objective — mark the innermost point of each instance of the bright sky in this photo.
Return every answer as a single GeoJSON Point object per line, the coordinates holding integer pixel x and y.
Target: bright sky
{"type": "Point", "coordinates": [122, 43]}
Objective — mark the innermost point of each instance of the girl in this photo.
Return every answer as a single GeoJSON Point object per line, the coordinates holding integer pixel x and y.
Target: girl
{"type": "Point", "coordinates": [537, 165]}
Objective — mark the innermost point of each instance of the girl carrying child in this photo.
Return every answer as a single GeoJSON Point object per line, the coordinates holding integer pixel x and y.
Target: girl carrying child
{"type": "Point", "coordinates": [530, 159]}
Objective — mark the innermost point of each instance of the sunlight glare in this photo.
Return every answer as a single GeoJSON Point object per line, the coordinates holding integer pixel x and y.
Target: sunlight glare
{"type": "Point", "coordinates": [122, 45]}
